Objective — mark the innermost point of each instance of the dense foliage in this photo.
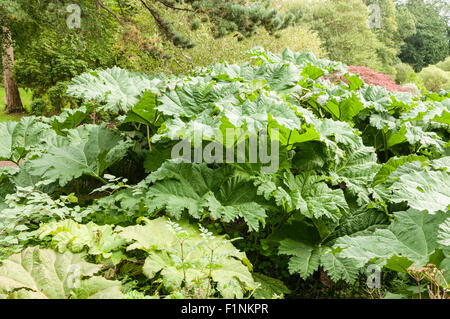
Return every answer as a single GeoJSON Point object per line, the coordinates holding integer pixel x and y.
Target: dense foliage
{"type": "Point", "coordinates": [363, 179]}
{"type": "Point", "coordinates": [345, 32]}
{"type": "Point", "coordinates": [174, 36]}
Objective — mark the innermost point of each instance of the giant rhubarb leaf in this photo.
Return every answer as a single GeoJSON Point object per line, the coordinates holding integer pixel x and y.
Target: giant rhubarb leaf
{"type": "Point", "coordinates": [89, 149]}
{"type": "Point", "coordinates": [255, 115]}
{"type": "Point", "coordinates": [68, 234]}
{"type": "Point", "coordinates": [43, 274]}
{"type": "Point", "coordinates": [305, 258]}
{"type": "Point", "coordinates": [420, 187]}
{"type": "Point", "coordinates": [197, 189]}
{"type": "Point", "coordinates": [356, 170]}
{"type": "Point", "coordinates": [444, 233]}
{"type": "Point", "coordinates": [19, 138]}
{"type": "Point", "coordinates": [181, 253]}
{"type": "Point", "coordinates": [118, 89]}
{"type": "Point", "coordinates": [410, 240]}
{"type": "Point", "coordinates": [306, 193]}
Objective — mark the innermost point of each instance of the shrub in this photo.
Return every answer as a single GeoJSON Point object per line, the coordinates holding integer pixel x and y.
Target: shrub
{"type": "Point", "coordinates": [413, 77]}
{"type": "Point", "coordinates": [38, 107]}
{"type": "Point", "coordinates": [232, 49]}
{"type": "Point", "coordinates": [362, 179]}
{"type": "Point", "coordinates": [375, 78]}
{"type": "Point", "coordinates": [57, 96]}
{"type": "Point", "coordinates": [444, 65]}
{"type": "Point", "coordinates": [402, 71]}
{"type": "Point", "coordinates": [435, 79]}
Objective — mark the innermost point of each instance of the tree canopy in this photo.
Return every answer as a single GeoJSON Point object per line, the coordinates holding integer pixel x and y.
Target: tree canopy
{"type": "Point", "coordinates": [430, 43]}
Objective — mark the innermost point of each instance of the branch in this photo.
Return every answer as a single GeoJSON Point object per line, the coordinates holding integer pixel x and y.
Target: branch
{"type": "Point", "coordinates": [102, 5]}
{"type": "Point", "coordinates": [161, 24]}
{"type": "Point", "coordinates": [167, 4]}
{"type": "Point", "coordinates": [120, 6]}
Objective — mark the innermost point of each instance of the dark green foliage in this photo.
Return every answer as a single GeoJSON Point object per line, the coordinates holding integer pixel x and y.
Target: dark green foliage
{"type": "Point", "coordinates": [38, 107]}
{"type": "Point", "coordinates": [362, 178]}
{"type": "Point", "coordinates": [430, 43]}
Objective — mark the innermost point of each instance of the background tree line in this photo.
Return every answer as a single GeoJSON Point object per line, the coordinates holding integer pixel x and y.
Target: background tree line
{"type": "Point", "coordinates": [41, 53]}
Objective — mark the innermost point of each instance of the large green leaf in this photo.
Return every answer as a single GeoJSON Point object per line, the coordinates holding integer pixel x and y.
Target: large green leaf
{"type": "Point", "coordinates": [436, 112]}
{"type": "Point", "coordinates": [339, 268]}
{"type": "Point", "coordinates": [305, 258]}
{"type": "Point", "coordinates": [344, 108]}
{"type": "Point", "coordinates": [306, 193]}
{"type": "Point", "coordinates": [145, 108]}
{"type": "Point", "coordinates": [356, 170]}
{"type": "Point", "coordinates": [191, 99]}
{"type": "Point", "coordinates": [412, 235]}
{"type": "Point", "coordinates": [89, 150]}
{"type": "Point", "coordinates": [44, 274]}
{"type": "Point", "coordinates": [358, 220]}
{"type": "Point", "coordinates": [308, 251]}
{"type": "Point", "coordinates": [192, 107]}
{"type": "Point", "coordinates": [392, 164]}
{"type": "Point", "coordinates": [255, 115]}
{"type": "Point", "coordinates": [335, 135]}
{"type": "Point", "coordinates": [269, 287]}
{"type": "Point", "coordinates": [444, 233]}
{"type": "Point", "coordinates": [98, 288]}
{"type": "Point", "coordinates": [68, 234]}
{"type": "Point", "coordinates": [69, 119]}
{"type": "Point", "coordinates": [210, 112]}
{"type": "Point", "coordinates": [118, 89]}
{"type": "Point", "coordinates": [417, 135]}
{"type": "Point", "coordinates": [197, 189]}
{"type": "Point", "coordinates": [19, 138]}
{"type": "Point", "coordinates": [421, 188]}
{"type": "Point", "coordinates": [279, 76]}
{"type": "Point", "coordinates": [376, 97]}
{"type": "Point", "coordinates": [181, 253]}
{"type": "Point", "coordinates": [6, 133]}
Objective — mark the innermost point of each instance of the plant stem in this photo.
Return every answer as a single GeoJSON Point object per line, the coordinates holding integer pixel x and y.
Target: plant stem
{"type": "Point", "coordinates": [286, 217]}
{"type": "Point", "coordinates": [182, 261]}
{"type": "Point", "coordinates": [101, 179]}
{"type": "Point", "coordinates": [386, 155]}
{"type": "Point", "coordinates": [420, 294]}
{"type": "Point", "coordinates": [148, 139]}
{"type": "Point", "coordinates": [210, 272]}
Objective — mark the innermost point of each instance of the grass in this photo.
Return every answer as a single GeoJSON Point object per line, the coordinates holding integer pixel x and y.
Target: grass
{"type": "Point", "coordinates": [26, 100]}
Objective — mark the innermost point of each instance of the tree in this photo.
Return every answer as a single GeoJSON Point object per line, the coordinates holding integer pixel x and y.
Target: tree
{"type": "Point", "coordinates": [343, 28]}
{"type": "Point", "coordinates": [57, 51]}
{"type": "Point", "coordinates": [140, 46]}
{"type": "Point", "coordinates": [244, 16]}
{"type": "Point", "coordinates": [40, 48]}
{"type": "Point", "coordinates": [430, 43]}
{"type": "Point", "coordinates": [394, 27]}
{"type": "Point", "coordinates": [13, 101]}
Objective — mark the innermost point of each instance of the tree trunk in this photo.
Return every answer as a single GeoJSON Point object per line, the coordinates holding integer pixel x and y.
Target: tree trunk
{"type": "Point", "coordinates": [13, 101]}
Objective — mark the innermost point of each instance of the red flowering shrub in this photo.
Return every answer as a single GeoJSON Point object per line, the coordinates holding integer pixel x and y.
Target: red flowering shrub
{"type": "Point", "coordinates": [370, 76]}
